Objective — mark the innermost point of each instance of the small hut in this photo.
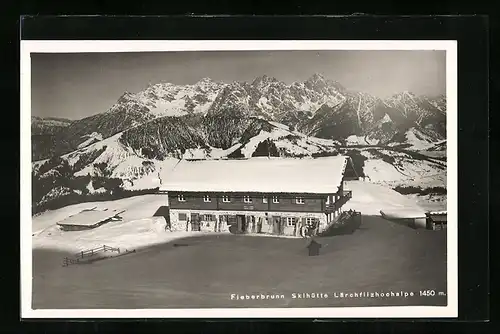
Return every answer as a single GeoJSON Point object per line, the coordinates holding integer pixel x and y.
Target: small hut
{"type": "Point", "coordinates": [436, 220]}
{"type": "Point", "coordinates": [88, 219]}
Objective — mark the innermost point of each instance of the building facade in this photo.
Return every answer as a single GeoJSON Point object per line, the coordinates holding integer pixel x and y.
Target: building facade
{"type": "Point", "coordinates": [290, 213]}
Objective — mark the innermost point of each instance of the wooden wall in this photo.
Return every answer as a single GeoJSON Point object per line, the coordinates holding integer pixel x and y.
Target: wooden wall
{"type": "Point", "coordinates": [287, 202]}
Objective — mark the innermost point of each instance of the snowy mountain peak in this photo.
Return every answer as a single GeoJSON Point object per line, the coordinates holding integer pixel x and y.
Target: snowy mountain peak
{"type": "Point", "coordinates": [263, 80]}
{"type": "Point", "coordinates": [125, 96]}
{"type": "Point", "coordinates": [316, 77]}
{"type": "Point", "coordinates": [409, 94]}
{"type": "Point", "coordinates": [205, 80]}
{"type": "Point", "coordinates": [318, 83]}
{"type": "Point", "coordinates": [403, 96]}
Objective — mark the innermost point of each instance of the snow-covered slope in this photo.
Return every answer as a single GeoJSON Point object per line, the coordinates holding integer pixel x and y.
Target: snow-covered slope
{"type": "Point", "coordinates": [91, 138]}
{"type": "Point", "coordinates": [354, 140]}
{"type": "Point", "coordinates": [146, 132]}
{"type": "Point", "coordinates": [436, 150]}
{"type": "Point", "coordinates": [407, 174]}
{"type": "Point", "coordinates": [396, 168]}
{"type": "Point", "coordinates": [416, 139]}
{"type": "Point", "coordinates": [369, 199]}
{"type": "Point", "coordinates": [287, 143]}
{"type": "Point", "coordinates": [120, 162]}
{"type": "Point", "coordinates": [430, 202]}
{"type": "Point", "coordinates": [137, 156]}
{"type": "Point", "coordinates": [133, 153]}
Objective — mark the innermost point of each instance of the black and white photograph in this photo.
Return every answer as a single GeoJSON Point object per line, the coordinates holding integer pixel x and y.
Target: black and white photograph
{"type": "Point", "coordinates": [238, 178]}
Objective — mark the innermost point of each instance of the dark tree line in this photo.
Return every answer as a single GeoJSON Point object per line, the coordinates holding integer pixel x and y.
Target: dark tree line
{"type": "Point", "coordinates": [266, 148]}
{"type": "Point", "coordinates": [57, 173]}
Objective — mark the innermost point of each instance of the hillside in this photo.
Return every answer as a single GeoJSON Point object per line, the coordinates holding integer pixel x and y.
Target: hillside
{"type": "Point", "coordinates": [398, 142]}
{"type": "Point", "coordinates": [133, 161]}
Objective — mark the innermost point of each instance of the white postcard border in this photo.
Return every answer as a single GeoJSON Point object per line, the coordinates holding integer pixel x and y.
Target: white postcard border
{"type": "Point", "coordinates": [449, 311]}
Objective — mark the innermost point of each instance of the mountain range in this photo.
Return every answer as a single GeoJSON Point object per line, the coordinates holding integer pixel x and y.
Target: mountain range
{"type": "Point", "coordinates": [233, 120]}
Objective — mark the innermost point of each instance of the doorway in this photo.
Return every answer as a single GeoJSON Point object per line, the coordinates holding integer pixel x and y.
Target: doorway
{"type": "Point", "coordinates": [241, 223]}
{"type": "Point", "coordinates": [259, 225]}
{"type": "Point", "coordinates": [277, 226]}
{"type": "Point", "coordinates": [195, 222]}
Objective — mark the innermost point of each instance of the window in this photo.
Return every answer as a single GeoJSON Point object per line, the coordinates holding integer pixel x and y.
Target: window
{"type": "Point", "coordinates": [264, 199]}
{"type": "Point", "coordinates": [247, 199]}
{"type": "Point", "coordinates": [290, 221]}
{"type": "Point", "coordinates": [207, 198]}
{"type": "Point", "coordinates": [276, 199]}
{"type": "Point", "coordinates": [328, 200]}
{"type": "Point", "coordinates": [299, 200]}
{"type": "Point", "coordinates": [181, 198]}
{"type": "Point", "coordinates": [226, 199]}
{"type": "Point", "coordinates": [311, 221]}
{"type": "Point", "coordinates": [182, 216]}
{"type": "Point", "coordinates": [208, 218]}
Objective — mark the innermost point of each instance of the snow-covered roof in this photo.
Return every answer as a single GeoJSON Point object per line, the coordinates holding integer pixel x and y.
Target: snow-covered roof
{"type": "Point", "coordinates": [437, 212]}
{"type": "Point", "coordinates": [266, 175]}
{"type": "Point", "coordinates": [89, 218]}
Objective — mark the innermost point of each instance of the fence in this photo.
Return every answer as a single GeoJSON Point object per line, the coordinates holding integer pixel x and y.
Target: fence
{"type": "Point", "coordinates": [80, 256]}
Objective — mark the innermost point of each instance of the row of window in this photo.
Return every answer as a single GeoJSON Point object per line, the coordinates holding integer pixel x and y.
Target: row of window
{"type": "Point", "coordinates": [246, 199]}
{"type": "Point", "coordinates": [290, 221]}
{"type": "Point", "coordinates": [205, 217]}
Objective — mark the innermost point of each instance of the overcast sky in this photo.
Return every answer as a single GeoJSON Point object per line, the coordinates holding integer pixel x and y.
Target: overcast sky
{"type": "Point", "coordinates": [79, 85]}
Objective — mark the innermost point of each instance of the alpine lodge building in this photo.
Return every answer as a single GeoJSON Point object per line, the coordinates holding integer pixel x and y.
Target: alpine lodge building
{"type": "Point", "coordinates": [258, 195]}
